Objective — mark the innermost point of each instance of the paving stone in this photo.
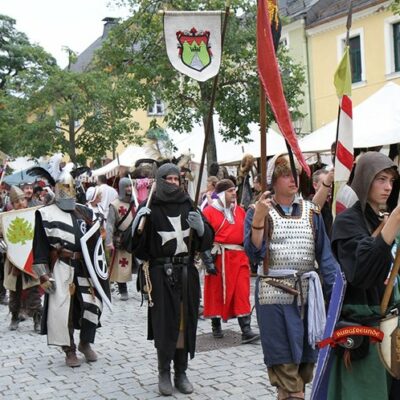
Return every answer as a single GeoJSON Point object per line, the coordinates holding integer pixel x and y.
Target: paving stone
{"type": "Point", "coordinates": [127, 365]}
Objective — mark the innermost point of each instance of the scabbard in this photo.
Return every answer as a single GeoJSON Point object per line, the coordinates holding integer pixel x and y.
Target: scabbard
{"type": "Point", "coordinates": [287, 288]}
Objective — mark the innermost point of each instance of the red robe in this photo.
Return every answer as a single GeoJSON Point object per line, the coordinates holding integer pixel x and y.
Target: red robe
{"type": "Point", "coordinates": [237, 269]}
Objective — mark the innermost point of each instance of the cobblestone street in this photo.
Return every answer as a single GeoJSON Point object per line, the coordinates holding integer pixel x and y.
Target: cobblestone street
{"type": "Point", "coordinates": [127, 366]}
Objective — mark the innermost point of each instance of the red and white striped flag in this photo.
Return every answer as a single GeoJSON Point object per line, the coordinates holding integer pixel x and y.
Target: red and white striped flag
{"type": "Point", "coordinates": [344, 146]}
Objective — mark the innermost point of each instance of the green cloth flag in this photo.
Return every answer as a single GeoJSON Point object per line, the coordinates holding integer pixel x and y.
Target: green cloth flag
{"type": "Point", "coordinates": [342, 78]}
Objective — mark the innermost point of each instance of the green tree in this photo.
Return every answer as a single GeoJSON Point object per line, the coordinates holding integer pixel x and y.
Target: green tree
{"type": "Point", "coordinates": [24, 68]}
{"type": "Point", "coordinates": [137, 47]}
{"type": "Point", "coordinates": [395, 6]}
{"type": "Point", "coordinates": [83, 114]}
{"type": "Point", "coordinates": [44, 109]}
{"type": "Point", "coordinates": [23, 65]}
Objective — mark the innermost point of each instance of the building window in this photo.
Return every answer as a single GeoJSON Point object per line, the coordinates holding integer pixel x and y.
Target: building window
{"type": "Point", "coordinates": [355, 59]}
{"type": "Point", "coordinates": [357, 55]}
{"type": "Point", "coordinates": [157, 108]}
{"type": "Point", "coordinates": [392, 46]}
{"type": "Point", "coordinates": [396, 46]}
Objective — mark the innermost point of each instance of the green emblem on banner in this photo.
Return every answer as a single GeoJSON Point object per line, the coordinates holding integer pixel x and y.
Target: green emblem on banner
{"type": "Point", "coordinates": [194, 48]}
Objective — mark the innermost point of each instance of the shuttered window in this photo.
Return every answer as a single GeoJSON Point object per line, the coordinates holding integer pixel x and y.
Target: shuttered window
{"type": "Point", "coordinates": [396, 46]}
{"type": "Point", "coordinates": [355, 59]}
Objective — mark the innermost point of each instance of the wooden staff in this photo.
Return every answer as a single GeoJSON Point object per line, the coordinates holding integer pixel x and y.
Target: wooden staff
{"type": "Point", "coordinates": [263, 156]}
{"type": "Point", "coordinates": [142, 222]}
{"type": "Point", "coordinates": [348, 27]}
{"type": "Point", "coordinates": [3, 173]}
{"type": "Point", "coordinates": [390, 283]}
{"type": "Point", "coordinates": [208, 124]}
{"type": "Point", "coordinates": [117, 175]}
{"type": "Point", "coordinates": [211, 110]}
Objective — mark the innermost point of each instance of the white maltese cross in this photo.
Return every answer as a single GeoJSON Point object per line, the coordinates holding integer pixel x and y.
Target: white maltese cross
{"type": "Point", "coordinates": [177, 234]}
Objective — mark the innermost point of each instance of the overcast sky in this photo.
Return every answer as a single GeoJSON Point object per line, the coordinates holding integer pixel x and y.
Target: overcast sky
{"type": "Point", "coordinates": [57, 23]}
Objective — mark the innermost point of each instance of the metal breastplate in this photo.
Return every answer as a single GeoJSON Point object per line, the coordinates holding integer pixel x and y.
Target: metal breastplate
{"type": "Point", "coordinates": [291, 247]}
{"type": "Point", "coordinates": [292, 243]}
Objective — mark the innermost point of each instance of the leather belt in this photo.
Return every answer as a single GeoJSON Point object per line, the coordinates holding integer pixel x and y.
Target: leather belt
{"type": "Point", "coordinates": [68, 254]}
{"type": "Point", "coordinates": [170, 260]}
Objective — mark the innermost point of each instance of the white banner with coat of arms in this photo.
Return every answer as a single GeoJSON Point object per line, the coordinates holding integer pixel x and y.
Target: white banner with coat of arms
{"type": "Point", "coordinates": [193, 42]}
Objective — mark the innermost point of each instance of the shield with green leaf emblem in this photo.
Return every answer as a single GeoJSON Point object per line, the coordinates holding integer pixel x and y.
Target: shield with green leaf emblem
{"type": "Point", "coordinates": [17, 229]}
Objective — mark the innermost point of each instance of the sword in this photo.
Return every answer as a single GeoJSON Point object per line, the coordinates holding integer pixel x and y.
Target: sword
{"type": "Point", "coordinates": [134, 197]}
{"type": "Point", "coordinates": [286, 288]}
{"type": "Point", "coordinates": [142, 222]}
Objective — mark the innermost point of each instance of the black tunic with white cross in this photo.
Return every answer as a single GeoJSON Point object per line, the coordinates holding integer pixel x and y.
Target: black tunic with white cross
{"type": "Point", "coordinates": [166, 234]}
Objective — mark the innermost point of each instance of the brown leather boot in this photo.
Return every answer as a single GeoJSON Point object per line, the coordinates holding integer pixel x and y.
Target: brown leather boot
{"type": "Point", "coordinates": [71, 360]}
{"type": "Point", "coordinates": [37, 316]}
{"type": "Point", "coordinates": [87, 351]}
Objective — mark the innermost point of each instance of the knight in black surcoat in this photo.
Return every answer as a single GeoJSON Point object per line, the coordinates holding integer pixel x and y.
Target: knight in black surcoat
{"type": "Point", "coordinates": [71, 301]}
{"type": "Point", "coordinates": [164, 244]}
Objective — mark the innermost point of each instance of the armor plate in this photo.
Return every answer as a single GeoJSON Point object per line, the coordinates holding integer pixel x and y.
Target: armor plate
{"type": "Point", "coordinates": [292, 247]}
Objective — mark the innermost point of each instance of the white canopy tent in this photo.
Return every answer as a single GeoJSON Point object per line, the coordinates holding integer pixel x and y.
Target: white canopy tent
{"type": "Point", "coordinates": [376, 122]}
{"type": "Point", "coordinates": [229, 151]}
{"type": "Point", "coordinates": [127, 159]}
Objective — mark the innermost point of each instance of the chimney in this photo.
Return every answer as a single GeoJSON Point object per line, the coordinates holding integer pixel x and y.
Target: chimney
{"type": "Point", "coordinates": [109, 23]}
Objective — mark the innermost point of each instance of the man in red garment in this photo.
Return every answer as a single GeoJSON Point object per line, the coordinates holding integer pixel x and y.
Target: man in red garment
{"type": "Point", "coordinates": [226, 293]}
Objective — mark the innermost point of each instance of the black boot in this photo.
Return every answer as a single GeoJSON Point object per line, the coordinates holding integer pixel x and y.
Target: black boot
{"type": "Point", "coordinates": [37, 316]}
{"type": "Point", "coordinates": [164, 374]}
{"type": "Point", "coordinates": [123, 291]}
{"type": "Point", "coordinates": [14, 322]}
{"type": "Point", "coordinates": [248, 336]}
{"type": "Point", "coordinates": [180, 366]}
{"type": "Point", "coordinates": [216, 328]}
{"type": "Point", "coordinates": [3, 293]}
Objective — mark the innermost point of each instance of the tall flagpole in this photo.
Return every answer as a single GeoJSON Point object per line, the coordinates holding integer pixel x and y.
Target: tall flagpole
{"type": "Point", "coordinates": [211, 109]}
{"type": "Point", "coordinates": [263, 138]}
{"type": "Point", "coordinates": [197, 195]}
{"type": "Point", "coordinates": [349, 22]}
{"type": "Point", "coordinates": [263, 143]}
{"type": "Point", "coordinates": [348, 27]}
{"type": "Point", "coordinates": [340, 152]}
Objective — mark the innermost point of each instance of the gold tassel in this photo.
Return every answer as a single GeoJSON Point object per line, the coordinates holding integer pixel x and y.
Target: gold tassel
{"type": "Point", "coordinates": [347, 359]}
{"type": "Point", "coordinates": [273, 12]}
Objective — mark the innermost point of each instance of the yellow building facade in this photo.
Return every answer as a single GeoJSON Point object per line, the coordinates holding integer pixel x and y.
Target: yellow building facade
{"type": "Point", "coordinates": [143, 117]}
{"type": "Point", "coordinates": [373, 30]}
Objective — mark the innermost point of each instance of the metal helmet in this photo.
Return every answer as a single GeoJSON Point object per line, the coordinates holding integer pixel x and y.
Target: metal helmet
{"type": "Point", "coordinates": [65, 193]}
{"type": "Point", "coordinates": [16, 194]}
